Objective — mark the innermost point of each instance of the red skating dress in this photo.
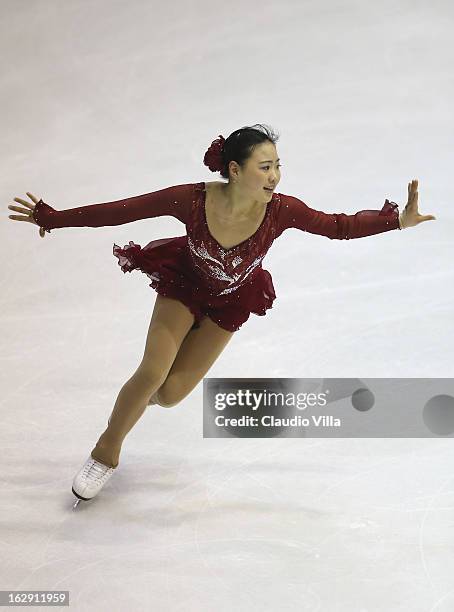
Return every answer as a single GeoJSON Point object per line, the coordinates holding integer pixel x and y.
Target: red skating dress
{"type": "Point", "coordinates": [226, 285]}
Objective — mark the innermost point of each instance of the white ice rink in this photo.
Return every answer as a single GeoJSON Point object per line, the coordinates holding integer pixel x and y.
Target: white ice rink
{"type": "Point", "coordinates": [108, 99]}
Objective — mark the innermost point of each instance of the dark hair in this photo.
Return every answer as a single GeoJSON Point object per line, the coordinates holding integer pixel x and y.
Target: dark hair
{"type": "Point", "coordinates": [240, 144]}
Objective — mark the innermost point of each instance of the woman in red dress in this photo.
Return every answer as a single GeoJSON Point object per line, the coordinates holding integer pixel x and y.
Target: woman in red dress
{"type": "Point", "coordinates": [209, 280]}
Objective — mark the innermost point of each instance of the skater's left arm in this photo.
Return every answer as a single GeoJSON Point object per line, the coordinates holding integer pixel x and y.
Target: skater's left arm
{"type": "Point", "coordinates": [295, 213]}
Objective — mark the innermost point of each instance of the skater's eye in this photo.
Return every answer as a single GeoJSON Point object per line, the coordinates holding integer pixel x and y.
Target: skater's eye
{"type": "Point", "coordinates": [265, 167]}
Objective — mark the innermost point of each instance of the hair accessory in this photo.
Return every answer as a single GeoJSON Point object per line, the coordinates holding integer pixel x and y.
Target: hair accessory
{"type": "Point", "coordinates": [213, 157]}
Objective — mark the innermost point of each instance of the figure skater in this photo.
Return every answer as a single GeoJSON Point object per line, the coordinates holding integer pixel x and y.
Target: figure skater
{"type": "Point", "coordinates": [211, 279]}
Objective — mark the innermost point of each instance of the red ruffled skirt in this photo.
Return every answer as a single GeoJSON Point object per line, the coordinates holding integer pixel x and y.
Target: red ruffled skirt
{"type": "Point", "coordinates": [167, 262]}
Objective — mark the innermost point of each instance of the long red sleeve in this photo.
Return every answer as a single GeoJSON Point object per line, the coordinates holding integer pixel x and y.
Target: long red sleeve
{"type": "Point", "coordinates": [174, 201]}
{"type": "Point", "coordinates": [293, 212]}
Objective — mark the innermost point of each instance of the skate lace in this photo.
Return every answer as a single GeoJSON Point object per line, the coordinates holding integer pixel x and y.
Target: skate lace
{"type": "Point", "coordinates": [97, 471]}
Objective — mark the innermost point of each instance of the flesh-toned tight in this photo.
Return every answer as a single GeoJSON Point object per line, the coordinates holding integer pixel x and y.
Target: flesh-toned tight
{"type": "Point", "coordinates": [176, 358]}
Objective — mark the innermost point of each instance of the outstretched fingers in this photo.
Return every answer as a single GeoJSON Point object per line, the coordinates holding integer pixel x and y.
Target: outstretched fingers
{"type": "Point", "coordinates": [411, 207]}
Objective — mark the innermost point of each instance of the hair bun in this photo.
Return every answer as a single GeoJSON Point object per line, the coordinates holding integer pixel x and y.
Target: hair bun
{"type": "Point", "coordinates": [214, 156]}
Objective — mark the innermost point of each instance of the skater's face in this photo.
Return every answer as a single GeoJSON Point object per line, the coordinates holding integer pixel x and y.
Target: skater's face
{"type": "Point", "coordinates": [261, 170]}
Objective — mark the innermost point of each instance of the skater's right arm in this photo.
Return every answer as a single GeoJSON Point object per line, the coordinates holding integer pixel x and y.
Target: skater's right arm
{"type": "Point", "coordinates": [174, 201]}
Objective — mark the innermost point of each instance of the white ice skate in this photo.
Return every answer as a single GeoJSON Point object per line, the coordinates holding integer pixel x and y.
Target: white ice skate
{"type": "Point", "coordinates": [90, 479]}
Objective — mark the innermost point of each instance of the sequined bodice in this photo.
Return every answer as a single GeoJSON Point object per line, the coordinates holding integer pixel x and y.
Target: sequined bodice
{"type": "Point", "coordinates": [224, 270]}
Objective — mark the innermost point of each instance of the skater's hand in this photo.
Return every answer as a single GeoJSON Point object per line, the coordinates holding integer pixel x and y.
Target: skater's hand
{"type": "Point", "coordinates": [410, 215]}
{"type": "Point", "coordinates": [27, 213]}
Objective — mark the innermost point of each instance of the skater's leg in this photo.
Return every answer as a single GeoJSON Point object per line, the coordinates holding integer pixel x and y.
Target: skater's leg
{"type": "Point", "coordinates": [197, 353]}
{"type": "Point", "coordinates": [170, 322]}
